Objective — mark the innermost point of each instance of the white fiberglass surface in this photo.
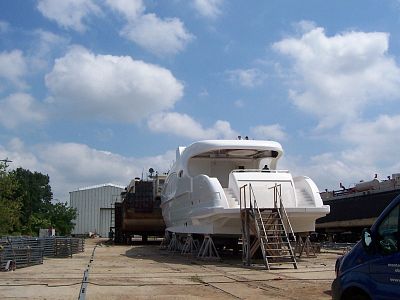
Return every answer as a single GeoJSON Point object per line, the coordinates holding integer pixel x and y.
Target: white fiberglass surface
{"type": "Point", "coordinates": [264, 193]}
{"type": "Point", "coordinates": [170, 186]}
{"type": "Point", "coordinates": [220, 168]}
{"type": "Point", "coordinates": [307, 192]}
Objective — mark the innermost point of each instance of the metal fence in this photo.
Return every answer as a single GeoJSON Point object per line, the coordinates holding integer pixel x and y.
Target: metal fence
{"type": "Point", "coordinates": [19, 252]}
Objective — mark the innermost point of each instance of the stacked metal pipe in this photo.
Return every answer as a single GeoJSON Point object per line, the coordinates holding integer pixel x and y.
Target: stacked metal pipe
{"type": "Point", "coordinates": [19, 252]}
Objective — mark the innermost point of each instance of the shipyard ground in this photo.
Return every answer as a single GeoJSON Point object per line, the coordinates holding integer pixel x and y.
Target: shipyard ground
{"type": "Point", "coordinates": [146, 272]}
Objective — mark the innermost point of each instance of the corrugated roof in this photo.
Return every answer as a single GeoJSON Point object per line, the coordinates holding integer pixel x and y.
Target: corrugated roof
{"type": "Point", "coordinates": [99, 186]}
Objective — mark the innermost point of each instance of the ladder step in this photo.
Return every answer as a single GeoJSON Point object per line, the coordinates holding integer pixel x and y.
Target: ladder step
{"type": "Point", "coordinates": [271, 226]}
{"type": "Point", "coordinates": [279, 263]}
{"type": "Point", "coordinates": [274, 235]}
{"type": "Point", "coordinates": [281, 246]}
{"type": "Point", "coordinates": [270, 217]}
{"type": "Point", "coordinates": [277, 250]}
{"type": "Point", "coordinates": [285, 257]}
{"type": "Point", "coordinates": [280, 256]}
{"type": "Point", "coordinates": [276, 243]}
{"type": "Point", "coordinates": [273, 241]}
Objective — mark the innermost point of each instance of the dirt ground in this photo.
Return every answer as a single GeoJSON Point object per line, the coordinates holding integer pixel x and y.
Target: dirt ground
{"type": "Point", "coordinates": [146, 272]}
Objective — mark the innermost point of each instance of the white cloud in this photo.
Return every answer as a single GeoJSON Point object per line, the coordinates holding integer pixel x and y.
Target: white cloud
{"type": "Point", "coordinates": [159, 36]}
{"type": "Point", "coordinates": [239, 103]}
{"type": "Point", "coordinates": [46, 44]}
{"type": "Point", "coordinates": [18, 109]}
{"type": "Point", "coordinates": [87, 164]}
{"type": "Point", "coordinates": [104, 135]}
{"type": "Point", "coordinates": [208, 8]}
{"type": "Point", "coordinates": [13, 67]}
{"type": "Point", "coordinates": [72, 165]}
{"type": "Point", "coordinates": [273, 132]}
{"type": "Point", "coordinates": [335, 77]}
{"type": "Point", "coordinates": [375, 143]}
{"type": "Point", "coordinates": [329, 169]}
{"type": "Point", "coordinates": [160, 163]}
{"type": "Point", "coordinates": [4, 26]}
{"type": "Point", "coordinates": [305, 26]}
{"type": "Point", "coordinates": [111, 87]}
{"type": "Point", "coordinates": [47, 40]}
{"type": "Point", "coordinates": [368, 148]}
{"type": "Point", "coordinates": [246, 77]}
{"type": "Point", "coordinates": [130, 9]}
{"type": "Point", "coordinates": [68, 13]}
{"type": "Point", "coordinates": [16, 152]}
{"type": "Point", "coordinates": [185, 126]}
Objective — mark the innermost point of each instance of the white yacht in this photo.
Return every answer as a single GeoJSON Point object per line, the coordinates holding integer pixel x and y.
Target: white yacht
{"type": "Point", "coordinates": [202, 191]}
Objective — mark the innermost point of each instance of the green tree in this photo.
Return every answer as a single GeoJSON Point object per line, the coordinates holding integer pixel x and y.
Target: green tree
{"type": "Point", "coordinates": [62, 217]}
{"type": "Point", "coordinates": [37, 221]}
{"type": "Point", "coordinates": [26, 204]}
{"type": "Point", "coordinates": [35, 193]}
{"type": "Point", "coordinates": [10, 202]}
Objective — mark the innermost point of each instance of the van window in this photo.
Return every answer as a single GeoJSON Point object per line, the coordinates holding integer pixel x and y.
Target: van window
{"type": "Point", "coordinates": [388, 232]}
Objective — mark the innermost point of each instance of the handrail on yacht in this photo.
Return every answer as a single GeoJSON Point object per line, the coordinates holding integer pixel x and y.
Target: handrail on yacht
{"type": "Point", "coordinates": [252, 199]}
{"type": "Point", "coordinates": [259, 171]}
{"type": "Point", "coordinates": [256, 208]}
{"type": "Point", "coordinates": [278, 194]}
{"type": "Point", "coordinates": [242, 188]}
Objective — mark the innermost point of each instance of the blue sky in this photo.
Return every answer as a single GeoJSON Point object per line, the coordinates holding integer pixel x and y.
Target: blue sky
{"type": "Point", "coordinates": [98, 91]}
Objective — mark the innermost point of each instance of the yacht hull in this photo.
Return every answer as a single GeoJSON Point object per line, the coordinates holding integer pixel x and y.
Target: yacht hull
{"type": "Point", "coordinates": [221, 221]}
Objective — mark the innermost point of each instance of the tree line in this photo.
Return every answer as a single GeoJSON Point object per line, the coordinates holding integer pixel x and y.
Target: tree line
{"type": "Point", "coordinates": [26, 204]}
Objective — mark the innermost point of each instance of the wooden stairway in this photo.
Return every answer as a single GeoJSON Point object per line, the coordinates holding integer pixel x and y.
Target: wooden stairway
{"type": "Point", "coordinates": [271, 234]}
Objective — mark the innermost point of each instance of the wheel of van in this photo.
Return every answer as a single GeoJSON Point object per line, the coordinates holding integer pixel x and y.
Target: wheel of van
{"type": "Point", "coordinates": [355, 294]}
{"type": "Point", "coordinates": [360, 297]}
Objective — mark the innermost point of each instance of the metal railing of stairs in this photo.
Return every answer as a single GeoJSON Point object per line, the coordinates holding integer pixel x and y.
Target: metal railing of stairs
{"type": "Point", "coordinates": [267, 226]}
{"type": "Point", "coordinates": [112, 221]}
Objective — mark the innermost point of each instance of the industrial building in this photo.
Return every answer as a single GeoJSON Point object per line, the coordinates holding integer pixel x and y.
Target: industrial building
{"type": "Point", "coordinates": [95, 208]}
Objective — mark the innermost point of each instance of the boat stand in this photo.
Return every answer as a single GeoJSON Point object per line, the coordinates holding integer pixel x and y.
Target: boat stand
{"type": "Point", "coordinates": [174, 245]}
{"type": "Point", "coordinates": [191, 246]}
{"type": "Point", "coordinates": [303, 244]}
{"type": "Point", "coordinates": [207, 250]}
{"type": "Point", "coordinates": [166, 240]}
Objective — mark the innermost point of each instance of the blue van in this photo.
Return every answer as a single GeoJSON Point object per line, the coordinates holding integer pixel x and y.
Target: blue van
{"type": "Point", "coordinates": [371, 270]}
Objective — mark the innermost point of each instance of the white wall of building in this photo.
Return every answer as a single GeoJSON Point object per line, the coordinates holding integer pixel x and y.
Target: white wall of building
{"type": "Point", "coordinates": [94, 208]}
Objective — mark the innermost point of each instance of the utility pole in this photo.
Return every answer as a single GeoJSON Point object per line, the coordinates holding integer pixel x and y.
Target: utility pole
{"type": "Point", "coordinates": [5, 161]}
